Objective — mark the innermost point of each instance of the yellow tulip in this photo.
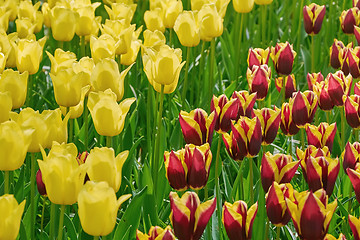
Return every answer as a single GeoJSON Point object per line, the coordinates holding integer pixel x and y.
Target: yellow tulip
{"type": "Point", "coordinates": [103, 166]}
{"type": "Point", "coordinates": [11, 213]}
{"type": "Point", "coordinates": [57, 127]}
{"type": "Point", "coordinates": [46, 11]}
{"type": "Point", "coordinates": [98, 208]}
{"type": "Point", "coordinates": [154, 20]}
{"type": "Point", "coordinates": [106, 75]}
{"type": "Point", "coordinates": [76, 111]}
{"type": "Point", "coordinates": [11, 6]}
{"type": "Point", "coordinates": [102, 47]}
{"type": "Point", "coordinates": [172, 9]}
{"type": "Point", "coordinates": [108, 116]}
{"type": "Point", "coordinates": [15, 83]}
{"type": "Point", "coordinates": [9, 47]}
{"type": "Point", "coordinates": [243, 6]}
{"type": "Point", "coordinates": [130, 57]}
{"type": "Point", "coordinates": [14, 143]}
{"type": "Point", "coordinates": [3, 58]}
{"type": "Point", "coordinates": [5, 106]}
{"type": "Point", "coordinates": [187, 29]}
{"type": "Point", "coordinates": [86, 17]}
{"type": "Point", "coordinates": [196, 5]}
{"type": "Point", "coordinates": [120, 11]}
{"type": "Point", "coordinates": [221, 6]}
{"type": "Point", "coordinates": [4, 19]}
{"type": "Point", "coordinates": [62, 175]}
{"type": "Point", "coordinates": [63, 23]}
{"type": "Point", "coordinates": [38, 21]}
{"type": "Point", "coordinates": [27, 10]}
{"type": "Point", "coordinates": [61, 60]}
{"type": "Point", "coordinates": [29, 54]}
{"type": "Point", "coordinates": [24, 27]}
{"type": "Point", "coordinates": [155, 4]}
{"type": "Point", "coordinates": [210, 21]}
{"type": "Point", "coordinates": [84, 66]}
{"type": "Point", "coordinates": [95, 28]}
{"type": "Point", "coordinates": [263, 2]}
{"type": "Point", "coordinates": [153, 39]}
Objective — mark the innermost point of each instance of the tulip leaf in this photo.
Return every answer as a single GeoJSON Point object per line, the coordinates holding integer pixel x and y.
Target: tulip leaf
{"type": "Point", "coordinates": [70, 228]}
{"type": "Point", "coordinates": [22, 231]}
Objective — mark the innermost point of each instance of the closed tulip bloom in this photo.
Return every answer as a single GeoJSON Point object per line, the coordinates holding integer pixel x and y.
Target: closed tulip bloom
{"type": "Point", "coordinates": [56, 125]}
{"type": "Point", "coordinates": [153, 39]}
{"type": "Point", "coordinates": [40, 184]}
{"type": "Point", "coordinates": [102, 165]}
{"type": "Point", "coordinates": [357, 34]}
{"type": "Point", "coordinates": [351, 155]}
{"type": "Point", "coordinates": [12, 8]}
{"type": "Point", "coordinates": [98, 208]}
{"type": "Point", "coordinates": [313, 78]}
{"type": "Point", "coordinates": [227, 110]}
{"type": "Point", "coordinates": [102, 47]}
{"type": "Point", "coordinates": [130, 57]}
{"type": "Point", "coordinates": [61, 60]}
{"type": "Point", "coordinates": [8, 46]}
{"type": "Point", "coordinates": [14, 144]}
{"type": "Point", "coordinates": [263, 2]}
{"type": "Point", "coordinates": [197, 126]}
{"type": "Point", "coordinates": [258, 56]}
{"type": "Point", "coordinates": [345, 56]}
{"type": "Point", "coordinates": [11, 213]}
{"type": "Point", "coordinates": [172, 9]}
{"type": "Point", "coordinates": [355, 226]}
{"type": "Point", "coordinates": [259, 80]}
{"type": "Point", "coordinates": [270, 122]}
{"type": "Point", "coordinates": [303, 106]}
{"type": "Point", "coordinates": [187, 29]}
{"type": "Point", "coordinates": [243, 6]}
{"type": "Point", "coordinates": [246, 103]}
{"type": "Point", "coordinates": [86, 16]}
{"type": "Point", "coordinates": [287, 125]}
{"type": "Point", "coordinates": [5, 106]}
{"type": "Point", "coordinates": [278, 168]}
{"type": "Point", "coordinates": [313, 18]}
{"type": "Point", "coordinates": [156, 233]}
{"type": "Point", "coordinates": [238, 219]}
{"type": "Point", "coordinates": [76, 111]}
{"type": "Point", "coordinates": [84, 66]}
{"type": "Point", "coordinates": [154, 20]}
{"type": "Point", "coordinates": [4, 19]}
{"type": "Point", "coordinates": [107, 114]}
{"type": "Point", "coordinates": [61, 174]}
{"type": "Point", "coordinates": [335, 50]}
{"type": "Point", "coordinates": [196, 5]}
{"type": "Point", "coordinates": [348, 19]}
{"type": "Point", "coordinates": [210, 21]}
{"type": "Point", "coordinates": [322, 135]}
{"type": "Point", "coordinates": [289, 84]}
{"type": "Point", "coordinates": [176, 171]}
{"type": "Point", "coordinates": [351, 110]}
{"type": "Point", "coordinates": [63, 23]}
{"type": "Point", "coordinates": [121, 32]}
{"type": "Point", "coordinates": [322, 92]}
{"type": "Point", "coordinates": [283, 57]}
{"type": "Point", "coordinates": [188, 216]}
{"type": "Point", "coordinates": [119, 11]}
{"type": "Point", "coordinates": [339, 85]}
{"type": "Point", "coordinates": [354, 175]}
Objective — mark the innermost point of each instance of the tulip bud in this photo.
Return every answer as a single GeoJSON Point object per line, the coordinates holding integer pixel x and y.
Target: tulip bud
{"type": "Point", "coordinates": [188, 217]}
{"type": "Point", "coordinates": [40, 184]}
{"type": "Point", "coordinates": [258, 56]}
{"type": "Point", "coordinates": [5, 106]}
{"type": "Point", "coordinates": [246, 103]}
{"type": "Point", "coordinates": [270, 122]}
{"type": "Point", "coordinates": [172, 9]}
{"type": "Point", "coordinates": [351, 110]}
{"type": "Point", "coordinates": [339, 85]}
{"type": "Point", "coordinates": [211, 22]}
{"type": "Point", "coordinates": [348, 19]}
{"type": "Point", "coordinates": [243, 6]}
{"type": "Point", "coordinates": [322, 92]}
{"type": "Point", "coordinates": [154, 20]}
{"type": "Point", "coordinates": [335, 50]}
{"type": "Point", "coordinates": [156, 233]}
{"type": "Point", "coordinates": [98, 208]}
{"type": "Point", "coordinates": [283, 57]}
{"type": "Point", "coordinates": [238, 219]}
{"type": "Point", "coordinates": [355, 226]}
{"type": "Point", "coordinates": [313, 18]}
{"type": "Point", "coordinates": [187, 29]}
{"type": "Point", "coordinates": [289, 84]}
{"type": "Point", "coordinates": [226, 110]}
{"type": "Point", "coordinates": [313, 78]}
{"type": "Point", "coordinates": [354, 176]}
{"type": "Point", "coordinates": [259, 80]}
{"type": "Point", "coordinates": [63, 23]}
{"type": "Point", "coordinates": [322, 135]}
{"type": "Point", "coordinates": [303, 106]}
{"type": "Point", "coordinates": [10, 217]}
{"type": "Point", "coordinates": [86, 16]}
{"type": "Point", "coordinates": [351, 155]}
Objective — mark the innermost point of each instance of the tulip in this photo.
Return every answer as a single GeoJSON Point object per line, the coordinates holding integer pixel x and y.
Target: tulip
{"type": "Point", "coordinates": [86, 16]}
{"type": "Point", "coordinates": [354, 226]}
{"type": "Point", "coordinates": [226, 110]}
{"type": "Point", "coordinates": [29, 54]}
{"type": "Point", "coordinates": [61, 174]}
{"type": "Point", "coordinates": [322, 135]}
{"type": "Point", "coordinates": [258, 56]}
{"type": "Point", "coordinates": [339, 85]}
{"type": "Point", "coordinates": [107, 114]}
{"type": "Point", "coordinates": [84, 66]}
{"type": "Point", "coordinates": [171, 9]}
{"type": "Point", "coordinates": [354, 175]}
{"type": "Point", "coordinates": [238, 219]}
{"type": "Point", "coordinates": [344, 57]}
{"type": "Point", "coordinates": [303, 106]}
{"type": "Point", "coordinates": [352, 61]}
{"type": "Point", "coordinates": [130, 57]}
{"type": "Point", "coordinates": [76, 111]}
{"type": "Point", "coordinates": [153, 39]}
{"type": "Point", "coordinates": [276, 208]}
{"type": "Point", "coordinates": [259, 80]}
{"type": "Point", "coordinates": [351, 110]}
{"type": "Point", "coordinates": [12, 8]}
{"type": "Point", "coordinates": [156, 233]}
{"type": "Point", "coordinates": [348, 19]}
{"type": "Point", "coordinates": [24, 27]}
{"type": "Point", "coordinates": [351, 155]}
{"type": "Point", "coordinates": [11, 213]}
{"type": "Point", "coordinates": [27, 10]}
{"type": "Point", "coordinates": [270, 122]}
{"type": "Point", "coordinates": [331, 237]}
{"type": "Point", "coordinates": [289, 84]}
{"type": "Point", "coordinates": [5, 106]}
{"type": "Point", "coordinates": [196, 5]}
{"type": "Point", "coordinates": [102, 165]}
{"type": "Point", "coordinates": [102, 47]}
{"type": "Point", "coordinates": [61, 60]}
{"type": "Point", "coordinates": [277, 168]}
{"type": "Point", "coordinates": [243, 6]}
{"type": "Point", "coordinates": [244, 139]}
{"type": "Point", "coordinates": [313, 18]}
{"type": "Point", "coordinates": [197, 127]}
{"type": "Point", "coordinates": [210, 21]}
{"type": "Point", "coordinates": [221, 6]}
{"type": "Point", "coordinates": [188, 217]}
{"type": "Point", "coordinates": [357, 34]}
{"type": "Point", "coordinates": [322, 92]}
{"type": "Point", "coordinates": [246, 103]}
{"type": "Point", "coordinates": [187, 29]}
{"type": "Point", "coordinates": [283, 57]}
{"type": "Point", "coordinates": [313, 152]}
{"type": "Point", "coordinates": [311, 214]}
{"type": "Point", "coordinates": [63, 23]}
{"type": "Point", "coordinates": [176, 171]}
{"type": "Point", "coordinates": [9, 47]}
{"type": "Point", "coordinates": [46, 11]}
{"type": "Point", "coordinates": [96, 24]}
{"type": "Point", "coordinates": [313, 78]}
{"type": "Point", "coordinates": [287, 125]}
{"type": "Point", "coordinates": [119, 11]}
{"type": "Point", "coordinates": [40, 184]}
{"type": "Point", "coordinates": [154, 20]}
{"type": "Point", "coordinates": [335, 51]}
{"type": "Point", "coordinates": [263, 2]}
{"type": "Point", "coordinates": [98, 208]}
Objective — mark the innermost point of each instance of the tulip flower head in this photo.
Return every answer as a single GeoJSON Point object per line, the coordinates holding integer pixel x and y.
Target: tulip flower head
{"type": "Point", "coordinates": [351, 156]}
{"type": "Point", "coordinates": [357, 33]}
{"type": "Point", "coordinates": [270, 122]}
{"type": "Point", "coordinates": [283, 57]}
{"type": "Point", "coordinates": [154, 20]}
{"type": "Point", "coordinates": [238, 219]}
{"type": "Point", "coordinates": [85, 19]}
{"type": "Point", "coordinates": [313, 78]}
{"type": "Point", "coordinates": [5, 106]}
{"type": "Point", "coordinates": [61, 60]}
{"type": "Point", "coordinates": [355, 226]}
{"type": "Point", "coordinates": [156, 233]}
{"type": "Point", "coordinates": [40, 184]}
{"type": "Point", "coordinates": [227, 110]}
{"type": "Point", "coordinates": [258, 56]}
{"type": "Point", "coordinates": [263, 2]}
{"type": "Point", "coordinates": [243, 6]}
{"type": "Point", "coordinates": [121, 11]}
{"type": "Point", "coordinates": [322, 92]}
{"type": "Point", "coordinates": [331, 237]}
{"type": "Point", "coordinates": [287, 125]}
{"type": "Point", "coordinates": [351, 110]}
{"type": "Point", "coordinates": [339, 85]}
{"type": "Point", "coordinates": [348, 19]}
{"type": "Point", "coordinates": [247, 102]}
{"type": "Point", "coordinates": [172, 9]}
{"type": "Point", "coordinates": [354, 176]}
{"type": "Point", "coordinates": [322, 135]}
{"type": "Point", "coordinates": [130, 56]}
{"type": "Point", "coordinates": [188, 216]}
{"type": "Point", "coordinates": [288, 82]}
{"type": "Point", "coordinates": [336, 51]}
{"type": "Point", "coordinates": [102, 47]}
{"type": "Point", "coordinates": [258, 78]}
{"type": "Point", "coordinates": [304, 105]}
{"type": "Point", "coordinates": [187, 29]}
{"type": "Point", "coordinates": [63, 23]}
{"type": "Point", "coordinates": [313, 18]}
{"type": "Point", "coordinates": [210, 22]}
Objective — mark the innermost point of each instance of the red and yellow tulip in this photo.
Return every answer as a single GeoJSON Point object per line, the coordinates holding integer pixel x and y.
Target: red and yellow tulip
{"type": "Point", "coordinates": [351, 155]}
{"type": "Point", "coordinates": [247, 102]}
{"type": "Point", "coordinates": [313, 18]}
{"type": "Point", "coordinates": [354, 223]}
{"type": "Point", "coordinates": [289, 84]}
{"type": "Point", "coordinates": [258, 78]}
{"type": "Point", "coordinates": [354, 176]}
{"type": "Point", "coordinates": [227, 110]}
{"type": "Point", "coordinates": [303, 106]}
{"type": "Point", "coordinates": [322, 135]}
{"type": "Point", "coordinates": [352, 110]}
{"type": "Point", "coordinates": [270, 122]}
{"type": "Point", "coordinates": [283, 57]}
{"type": "Point", "coordinates": [258, 57]}
{"type": "Point", "coordinates": [156, 233]}
{"type": "Point", "coordinates": [348, 19]}
{"type": "Point", "coordinates": [339, 85]}
{"type": "Point", "coordinates": [287, 125]}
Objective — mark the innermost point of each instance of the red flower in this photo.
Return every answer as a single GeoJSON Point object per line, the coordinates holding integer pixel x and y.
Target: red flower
{"type": "Point", "coordinates": [339, 85]}
{"type": "Point", "coordinates": [287, 125]}
{"type": "Point", "coordinates": [322, 135]}
{"type": "Point", "coordinates": [258, 56]}
{"type": "Point", "coordinates": [276, 208]}
{"type": "Point", "coordinates": [258, 78]}
{"type": "Point", "coordinates": [283, 57]}
{"type": "Point", "coordinates": [290, 84]}
{"type": "Point", "coordinates": [313, 18]}
{"type": "Point", "coordinates": [351, 156]}
{"type": "Point", "coordinates": [226, 110]}
{"type": "Point", "coordinates": [270, 122]}
{"type": "Point", "coordinates": [247, 101]}
{"type": "Point", "coordinates": [335, 50]}
{"type": "Point", "coordinates": [352, 110]}
{"type": "Point", "coordinates": [303, 107]}
{"type": "Point", "coordinates": [313, 78]}
{"type": "Point", "coordinates": [348, 19]}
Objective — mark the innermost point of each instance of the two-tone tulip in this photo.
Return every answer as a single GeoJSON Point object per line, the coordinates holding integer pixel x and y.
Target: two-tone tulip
{"type": "Point", "coordinates": [322, 92]}
{"type": "Point", "coordinates": [352, 60]}
{"type": "Point", "coordinates": [244, 139]}
{"type": "Point", "coordinates": [351, 155]}
{"type": "Point", "coordinates": [322, 135]}
{"type": "Point", "coordinates": [311, 213]}
{"type": "Point", "coordinates": [238, 219]}
{"type": "Point", "coordinates": [348, 19]}
{"type": "Point", "coordinates": [354, 176]}
{"type": "Point", "coordinates": [258, 56]}
{"type": "Point", "coordinates": [197, 127]}
{"type": "Point", "coordinates": [304, 105]}
{"type": "Point", "coordinates": [258, 78]}
{"type": "Point", "coordinates": [339, 85]}
{"type": "Point", "coordinates": [270, 122]}
{"type": "Point", "coordinates": [283, 57]}
{"type": "Point", "coordinates": [156, 233]}
{"type": "Point", "coordinates": [288, 82]}
{"type": "Point", "coordinates": [287, 125]}
{"type": "Point", "coordinates": [313, 18]}
{"type": "Point", "coordinates": [352, 110]}
{"type": "Point", "coordinates": [354, 223]}
{"type": "Point", "coordinates": [189, 167]}
{"type": "Point", "coordinates": [246, 102]}
{"type": "Point", "coordinates": [188, 216]}
{"type": "Point", "coordinates": [313, 152]}
{"type": "Point", "coordinates": [313, 78]}
{"type": "Point", "coordinates": [336, 52]}
{"type": "Point", "coordinates": [357, 34]}
{"type": "Point", "coordinates": [226, 109]}
{"type": "Point", "coordinates": [357, 88]}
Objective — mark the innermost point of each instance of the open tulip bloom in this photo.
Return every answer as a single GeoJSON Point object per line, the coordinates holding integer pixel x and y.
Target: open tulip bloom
{"type": "Point", "coordinates": [247, 102]}
{"type": "Point", "coordinates": [270, 122]}
{"type": "Point", "coordinates": [227, 110]}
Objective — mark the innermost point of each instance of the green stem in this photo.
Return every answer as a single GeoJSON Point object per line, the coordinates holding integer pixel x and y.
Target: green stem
{"type": "Point", "coordinates": [251, 181]}
{"type": "Point", "coordinates": [157, 156]}
{"type": "Point", "coordinates": [267, 226]}
{"type": "Point", "coordinates": [118, 60]}
{"type": "Point", "coordinates": [170, 37]}
{"type": "Point", "coordinates": [349, 202]}
{"type": "Point", "coordinates": [238, 185]}
{"type": "Point", "coordinates": [52, 221]}
{"type": "Point", "coordinates": [263, 27]}
{"type": "Point", "coordinates": [342, 115]}
{"type": "Point", "coordinates": [290, 145]}
{"type": "Point", "coordinates": [71, 130]}
{"type": "Point", "coordinates": [217, 185]}
{"type": "Point", "coordinates": [42, 215]}
{"type": "Point", "coordinates": [85, 120]}
{"type": "Point", "coordinates": [238, 45]}
{"type": "Point", "coordinates": [148, 122]}
{"type": "Point", "coordinates": [201, 67]}
{"type": "Point", "coordinates": [299, 26]}
{"type": "Point", "coordinates": [312, 54]}
{"type": "Point", "coordinates": [6, 182]}
{"type": "Point", "coordinates": [211, 74]}
{"type": "Point", "coordinates": [186, 75]}
{"type": "Point", "coordinates": [277, 233]}
{"type": "Point", "coordinates": [356, 135]}
{"type": "Point", "coordinates": [32, 195]}
{"type": "Point", "coordinates": [61, 222]}
{"type": "Point", "coordinates": [103, 238]}
{"type": "Point", "coordinates": [327, 113]}
{"type": "Point", "coordinates": [108, 141]}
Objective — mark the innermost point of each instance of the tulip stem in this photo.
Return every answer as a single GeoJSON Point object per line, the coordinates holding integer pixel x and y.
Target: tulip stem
{"type": "Point", "coordinates": [299, 27]}
{"type": "Point", "coordinates": [238, 44]}
{"type": "Point", "coordinates": [42, 215]}
{"type": "Point", "coordinates": [85, 120]}
{"type": "Point", "coordinates": [302, 135]}
{"type": "Point", "coordinates": [251, 181]}
{"type": "Point", "coordinates": [217, 185]}
{"type": "Point", "coordinates": [312, 54]}
{"type": "Point", "coordinates": [29, 91]}
{"type": "Point", "coordinates": [61, 222]}
{"type": "Point", "coordinates": [277, 233]}
{"type": "Point", "coordinates": [6, 182]}
{"type": "Point", "coordinates": [263, 28]}
{"type": "Point", "coordinates": [186, 76]}
{"type": "Point", "coordinates": [201, 66]}
{"type": "Point", "coordinates": [32, 195]}
{"type": "Point", "coordinates": [52, 220]}
{"type": "Point", "coordinates": [238, 188]}
{"type": "Point", "coordinates": [108, 141]}
{"type": "Point", "coordinates": [211, 74]}
{"type": "Point", "coordinates": [71, 126]}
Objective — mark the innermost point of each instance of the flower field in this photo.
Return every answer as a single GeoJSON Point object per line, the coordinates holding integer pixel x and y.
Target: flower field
{"type": "Point", "coordinates": [170, 119]}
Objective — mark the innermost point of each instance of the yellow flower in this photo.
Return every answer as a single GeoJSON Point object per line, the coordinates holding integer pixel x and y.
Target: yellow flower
{"type": "Point", "coordinates": [84, 24]}
{"type": "Point", "coordinates": [14, 143]}
{"type": "Point", "coordinates": [103, 166]}
{"type": "Point", "coordinates": [153, 39]}
{"type": "Point", "coordinates": [154, 20]}
{"type": "Point", "coordinates": [98, 208]}
{"type": "Point", "coordinates": [62, 175]}
{"type": "Point", "coordinates": [63, 23]}
{"type": "Point", "coordinates": [57, 127]}
{"type": "Point", "coordinates": [102, 47]}
{"type": "Point", "coordinates": [5, 106]}
{"type": "Point", "coordinates": [172, 9]}
{"type": "Point", "coordinates": [3, 58]}
{"type": "Point", "coordinates": [15, 83]}
{"type": "Point", "coordinates": [11, 6]}
{"type": "Point", "coordinates": [108, 116]}
{"type": "Point", "coordinates": [120, 11]}
{"type": "Point", "coordinates": [4, 19]}
{"type": "Point", "coordinates": [27, 10]}
{"type": "Point", "coordinates": [243, 6]}
{"type": "Point", "coordinates": [61, 60]}
{"type": "Point", "coordinates": [263, 2]}
{"type": "Point", "coordinates": [8, 46]}
{"type": "Point", "coordinates": [187, 29]}
{"type": "Point", "coordinates": [24, 27]}
{"type": "Point", "coordinates": [95, 28]}
{"type": "Point", "coordinates": [76, 111]}
{"type": "Point", "coordinates": [11, 213]}
{"type": "Point", "coordinates": [46, 11]}
{"type": "Point", "coordinates": [29, 54]}
{"type": "Point", "coordinates": [210, 21]}
{"type": "Point", "coordinates": [130, 57]}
